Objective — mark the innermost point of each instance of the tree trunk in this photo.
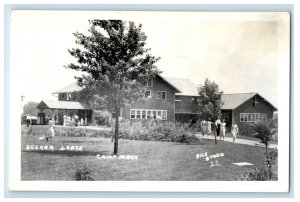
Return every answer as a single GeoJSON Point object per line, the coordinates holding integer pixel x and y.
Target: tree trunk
{"type": "Point", "coordinates": [216, 137]}
{"type": "Point", "coordinates": [116, 131]}
{"type": "Point", "coordinates": [269, 162]}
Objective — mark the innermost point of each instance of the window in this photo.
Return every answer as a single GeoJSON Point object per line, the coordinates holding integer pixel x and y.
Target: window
{"type": "Point", "coordinates": [242, 117]}
{"type": "Point", "coordinates": [154, 114]}
{"type": "Point", "coordinates": [159, 114]}
{"type": "Point", "coordinates": [69, 96]}
{"type": "Point", "coordinates": [138, 114]}
{"type": "Point", "coordinates": [144, 114]}
{"type": "Point", "coordinates": [164, 115]}
{"type": "Point", "coordinates": [148, 114]}
{"type": "Point", "coordinates": [62, 96]}
{"type": "Point", "coordinates": [132, 114]}
{"type": "Point", "coordinates": [148, 94]}
{"type": "Point", "coordinates": [161, 95]}
{"type": "Point", "coordinates": [254, 101]}
{"type": "Point", "coordinates": [149, 82]}
{"type": "Point", "coordinates": [252, 117]}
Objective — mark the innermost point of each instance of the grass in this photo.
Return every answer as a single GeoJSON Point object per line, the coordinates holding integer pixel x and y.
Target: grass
{"type": "Point", "coordinates": [156, 160]}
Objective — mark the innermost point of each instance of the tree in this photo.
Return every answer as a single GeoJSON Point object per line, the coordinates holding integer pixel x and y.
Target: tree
{"type": "Point", "coordinates": [115, 64]}
{"type": "Point", "coordinates": [30, 108]}
{"type": "Point", "coordinates": [264, 130]}
{"type": "Point", "coordinates": [209, 101]}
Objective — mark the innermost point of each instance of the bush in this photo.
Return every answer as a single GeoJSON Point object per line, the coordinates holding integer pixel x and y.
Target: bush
{"type": "Point", "coordinates": [145, 131]}
{"type": "Point", "coordinates": [254, 175]}
{"type": "Point", "coordinates": [246, 129]}
{"type": "Point", "coordinates": [82, 174]}
{"type": "Point", "coordinates": [102, 118]}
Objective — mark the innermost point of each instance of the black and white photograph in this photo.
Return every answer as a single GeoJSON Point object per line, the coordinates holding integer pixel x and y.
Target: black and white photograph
{"type": "Point", "coordinates": [149, 101]}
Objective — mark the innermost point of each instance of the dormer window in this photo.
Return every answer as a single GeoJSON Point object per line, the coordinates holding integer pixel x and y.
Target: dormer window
{"type": "Point", "coordinates": [69, 96]}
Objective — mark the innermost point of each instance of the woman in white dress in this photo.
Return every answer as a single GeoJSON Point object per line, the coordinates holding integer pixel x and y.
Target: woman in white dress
{"type": "Point", "coordinates": [208, 127]}
{"type": "Point", "coordinates": [222, 130]}
{"type": "Point", "coordinates": [234, 131]}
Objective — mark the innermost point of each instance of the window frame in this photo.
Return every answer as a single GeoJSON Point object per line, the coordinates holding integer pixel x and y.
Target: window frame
{"type": "Point", "coordinates": [145, 114]}
{"type": "Point", "coordinates": [149, 94]}
{"type": "Point", "coordinates": [253, 117]}
{"type": "Point", "coordinates": [151, 82]}
{"type": "Point", "coordinates": [161, 93]}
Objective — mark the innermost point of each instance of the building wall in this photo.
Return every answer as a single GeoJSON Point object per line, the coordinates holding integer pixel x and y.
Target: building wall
{"type": "Point", "coordinates": [186, 105]}
{"type": "Point", "coordinates": [247, 107]}
{"type": "Point", "coordinates": [153, 103]}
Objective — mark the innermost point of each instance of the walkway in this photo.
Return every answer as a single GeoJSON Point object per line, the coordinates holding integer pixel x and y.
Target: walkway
{"type": "Point", "coordinates": [239, 141]}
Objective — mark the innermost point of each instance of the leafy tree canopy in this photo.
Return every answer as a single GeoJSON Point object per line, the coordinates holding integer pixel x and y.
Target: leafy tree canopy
{"type": "Point", "coordinates": [115, 62]}
{"type": "Point", "coordinates": [209, 101]}
{"type": "Point", "coordinates": [264, 130]}
{"type": "Point", "coordinates": [30, 108]}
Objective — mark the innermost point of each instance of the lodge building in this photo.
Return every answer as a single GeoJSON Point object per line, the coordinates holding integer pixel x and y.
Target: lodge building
{"type": "Point", "coordinates": [167, 99]}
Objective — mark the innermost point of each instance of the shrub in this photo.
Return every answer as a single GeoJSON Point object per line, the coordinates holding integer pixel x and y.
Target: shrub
{"type": "Point", "coordinates": [164, 131]}
{"type": "Point", "coordinates": [82, 174]}
{"type": "Point", "coordinates": [245, 129]}
{"type": "Point", "coordinates": [254, 175]}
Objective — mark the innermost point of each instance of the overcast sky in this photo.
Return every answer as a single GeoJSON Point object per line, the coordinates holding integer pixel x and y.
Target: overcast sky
{"type": "Point", "coordinates": [241, 56]}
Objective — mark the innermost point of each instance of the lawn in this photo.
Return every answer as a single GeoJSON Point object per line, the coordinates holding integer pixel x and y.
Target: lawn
{"type": "Point", "coordinates": [156, 160]}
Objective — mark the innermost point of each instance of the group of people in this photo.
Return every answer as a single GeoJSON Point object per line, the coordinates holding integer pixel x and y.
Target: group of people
{"type": "Point", "coordinates": [220, 127]}
{"type": "Point", "coordinates": [67, 120]}
{"type": "Point", "coordinates": [74, 120]}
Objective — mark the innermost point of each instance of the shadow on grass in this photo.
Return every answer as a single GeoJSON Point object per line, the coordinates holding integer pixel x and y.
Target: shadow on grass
{"type": "Point", "coordinates": [82, 141]}
{"type": "Point", "coordinates": [69, 153]}
{"type": "Point", "coordinates": [193, 143]}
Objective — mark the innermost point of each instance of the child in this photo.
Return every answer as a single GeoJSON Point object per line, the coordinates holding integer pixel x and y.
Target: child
{"type": "Point", "coordinates": [234, 131]}
{"type": "Point", "coordinates": [51, 129]}
{"type": "Point", "coordinates": [222, 129]}
{"type": "Point", "coordinates": [50, 133]}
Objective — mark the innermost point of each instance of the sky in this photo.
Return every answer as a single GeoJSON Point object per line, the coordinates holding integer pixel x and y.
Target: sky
{"type": "Point", "coordinates": [239, 55]}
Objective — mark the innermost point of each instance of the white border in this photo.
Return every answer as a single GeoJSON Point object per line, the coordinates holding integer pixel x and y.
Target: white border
{"type": "Point", "coordinates": [282, 185]}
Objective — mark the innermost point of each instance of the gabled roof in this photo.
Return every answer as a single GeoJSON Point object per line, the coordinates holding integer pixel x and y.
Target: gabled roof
{"type": "Point", "coordinates": [186, 86]}
{"type": "Point", "coordinates": [232, 101]}
{"type": "Point", "coordinates": [170, 83]}
{"type": "Point", "coordinates": [54, 104]}
{"type": "Point", "coordinates": [73, 87]}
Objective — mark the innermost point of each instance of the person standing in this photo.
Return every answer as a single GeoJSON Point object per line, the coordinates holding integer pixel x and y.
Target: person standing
{"type": "Point", "coordinates": [203, 127]}
{"type": "Point", "coordinates": [85, 121]}
{"type": "Point", "coordinates": [76, 119]}
{"type": "Point", "coordinates": [50, 133]}
{"type": "Point", "coordinates": [218, 126]}
{"type": "Point", "coordinates": [208, 127]}
{"type": "Point", "coordinates": [222, 129]}
{"type": "Point", "coordinates": [234, 131]}
{"type": "Point", "coordinates": [28, 120]}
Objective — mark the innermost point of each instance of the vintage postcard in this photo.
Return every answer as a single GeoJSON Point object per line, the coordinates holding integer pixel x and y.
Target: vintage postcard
{"type": "Point", "coordinates": [149, 101]}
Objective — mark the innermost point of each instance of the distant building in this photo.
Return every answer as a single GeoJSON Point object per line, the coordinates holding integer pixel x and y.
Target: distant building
{"type": "Point", "coordinates": [167, 99]}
